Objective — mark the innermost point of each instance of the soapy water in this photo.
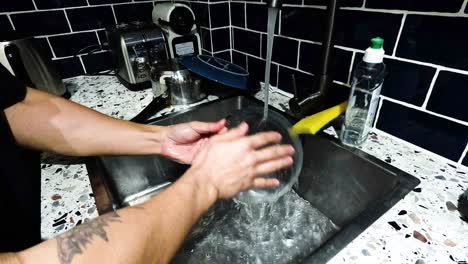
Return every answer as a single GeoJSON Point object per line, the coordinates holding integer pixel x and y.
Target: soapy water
{"type": "Point", "coordinates": [283, 232]}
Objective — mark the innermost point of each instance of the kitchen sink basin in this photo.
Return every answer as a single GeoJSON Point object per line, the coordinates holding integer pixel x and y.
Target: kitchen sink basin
{"type": "Point", "coordinates": [346, 185]}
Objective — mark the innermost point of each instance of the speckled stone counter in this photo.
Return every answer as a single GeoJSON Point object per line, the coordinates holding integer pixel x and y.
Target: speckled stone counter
{"type": "Point", "coordinates": [424, 227]}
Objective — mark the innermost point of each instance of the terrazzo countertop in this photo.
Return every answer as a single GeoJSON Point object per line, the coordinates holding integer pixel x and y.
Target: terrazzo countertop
{"type": "Point", "coordinates": [424, 227]}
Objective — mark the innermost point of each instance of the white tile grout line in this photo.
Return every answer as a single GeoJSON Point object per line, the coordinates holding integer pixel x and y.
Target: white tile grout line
{"type": "Point", "coordinates": [82, 65]}
{"type": "Point", "coordinates": [350, 71]}
{"type": "Point", "coordinates": [463, 155]}
{"type": "Point", "coordinates": [209, 22]}
{"type": "Point", "coordinates": [402, 25]}
{"type": "Point", "coordinates": [68, 21]}
{"type": "Point", "coordinates": [418, 148]}
{"type": "Point", "coordinates": [220, 51]}
{"type": "Point", "coordinates": [99, 40]}
{"type": "Point", "coordinates": [424, 110]}
{"type": "Point", "coordinates": [396, 11]}
{"type": "Point", "coordinates": [113, 13]}
{"type": "Point", "coordinates": [50, 47]}
{"type": "Point", "coordinates": [298, 54]}
{"type": "Point", "coordinates": [230, 31]}
{"type": "Point", "coordinates": [431, 86]}
{"type": "Point", "coordinates": [34, 4]}
{"type": "Point", "coordinates": [462, 9]}
{"type": "Point", "coordinates": [11, 22]}
{"type": "Point", "coordinates": [79, 55]}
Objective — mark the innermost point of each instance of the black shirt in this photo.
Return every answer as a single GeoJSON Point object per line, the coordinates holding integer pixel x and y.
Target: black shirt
{"type": "Point", "coordinates": [20, 177]}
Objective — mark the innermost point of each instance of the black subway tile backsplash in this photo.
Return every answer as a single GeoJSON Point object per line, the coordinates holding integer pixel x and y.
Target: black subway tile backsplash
{"type": "Point", "coordinates": [97, 62]}
{"type": "Point", "coordinates": [205, 36]}
{"type": "Point", "coordinates": [90, 17]}
{"type": "Point", "coordinates": [219, 15]}
{"type": "Point", "coordinates": [44, 46]}
{"type": "Point", "coordinates": [238, 14]}
{"type": "Point", "coordinates": [225, 55]}
{"type": "Point", "coordinates": [16, 5]}
{"type": "Point", "coordinates": [69, 67]}
{"type": "Point", "coordinates": [103, 37]}
{"type": "Point", "coordinates": [430, 132]}
{"type": "Point", "coordinates": [202, 14]}
{"type": "Point", "coordinates": [101, 2]}
{"type": "Point", "coordinates": [302, 23]}
{"type": "Point", "coordinates": [449, 95]}
{"type": "Point", "coordinates": [49, 4]}
{"type": "Point", "coordinates": [247, 41]}
{"type": "Point", "coordinates": [133, 12]}
{"type": "Point", "coordinates": [221, 39]}
{"type": "Point", "coordinates": [304, 82]}
{"type": "Point", "coordinates": [407, 82]}
{"type": "Point", "coordinates": [284, 50]}
{"type": "Point", "coordinates": [310, 56]}
{"type": "Point", "coordinates": [465, 160]}
{"type": "Point", "coordinates": [257, 17]}
{"type": "Point", "coordinates": [70, 45]}
{"type": "Point", "coordinates": [414, 5]}
{"type": "Point", "coordinates": [343, 3]}
{"type": "Point", "coordinates": [356, 28]}
{"type": "Point", "coordinates": [435, 39]}
{"type": "Point", "coordinates": [256, 68]}
{"type": "Point", "coordinates": [6, 30]}
{"type": "Point", "coordinates": [41, 23]}
{"type": "Point", "coordinates": [239, 59]}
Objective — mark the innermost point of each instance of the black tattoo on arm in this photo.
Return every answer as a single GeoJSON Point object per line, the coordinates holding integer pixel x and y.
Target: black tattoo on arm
{"type": "Point", "coordinates": [74, 242]}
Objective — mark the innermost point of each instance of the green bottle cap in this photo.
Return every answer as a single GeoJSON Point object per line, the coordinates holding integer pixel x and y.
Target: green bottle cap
{"type": "Point", "coordinates": [377, 43]}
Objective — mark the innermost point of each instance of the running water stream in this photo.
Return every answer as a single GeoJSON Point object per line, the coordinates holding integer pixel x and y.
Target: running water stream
{"type": "Point", "coordinates": [272, 14]}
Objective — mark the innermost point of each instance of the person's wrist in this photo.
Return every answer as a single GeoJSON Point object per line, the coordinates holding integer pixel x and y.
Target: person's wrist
{"type": "Point", "coordinates": [198, 180]}
{"type": "Point", "coordinates": [155, 135]}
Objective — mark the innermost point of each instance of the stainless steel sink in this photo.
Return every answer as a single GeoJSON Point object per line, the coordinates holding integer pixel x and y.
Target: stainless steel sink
{"type": "Point", "coordinates": [347, 185]}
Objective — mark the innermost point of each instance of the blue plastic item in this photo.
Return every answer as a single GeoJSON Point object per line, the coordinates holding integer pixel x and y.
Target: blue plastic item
{"type": "Point", "coordinates": [217, 70]}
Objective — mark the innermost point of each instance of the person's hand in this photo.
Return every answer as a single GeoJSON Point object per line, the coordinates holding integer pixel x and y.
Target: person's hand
{"type": "Point", "coordinates": [230, 162]}
{"type": "Point", "coordinates": [183, 141]}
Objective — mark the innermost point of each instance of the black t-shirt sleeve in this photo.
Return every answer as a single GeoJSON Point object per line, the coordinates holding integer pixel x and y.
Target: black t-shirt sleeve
{"type": "Point", "coordinates": [12, 90]}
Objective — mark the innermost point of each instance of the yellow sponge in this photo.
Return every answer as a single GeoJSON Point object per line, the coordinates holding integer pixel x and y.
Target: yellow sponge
{"type": "Point", "coordinates": [312, 124]}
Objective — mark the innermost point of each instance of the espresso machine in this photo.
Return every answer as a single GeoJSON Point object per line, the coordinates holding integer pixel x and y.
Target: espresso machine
{"type": "Point", "coordinates": [177, 21]}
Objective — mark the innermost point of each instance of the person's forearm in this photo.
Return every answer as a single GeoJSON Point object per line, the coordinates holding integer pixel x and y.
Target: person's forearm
{"type": "Point", "coordinates": [150, 233]}
{"type": "Point", "coordinates": [51, 123]}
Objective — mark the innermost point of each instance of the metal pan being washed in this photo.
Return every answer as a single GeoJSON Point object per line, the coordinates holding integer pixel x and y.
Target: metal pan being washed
{"type": "Point", "coordinates": [253, 116]}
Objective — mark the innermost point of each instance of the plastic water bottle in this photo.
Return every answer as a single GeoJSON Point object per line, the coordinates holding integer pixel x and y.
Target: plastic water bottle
{"type": "Point", "coordinates": [364, 98]}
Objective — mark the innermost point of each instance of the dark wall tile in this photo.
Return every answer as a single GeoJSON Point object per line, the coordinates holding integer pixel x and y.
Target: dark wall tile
{"type": "Point", "coordinates": [219, 15]}
{"type": "Point", "coordinates": [293, 2]}
{"type": "Point", "coordinates": [97, 62]}
{"type": "Point", "coordinates": [70, 67]}
{"type": "Point", "coordinates": [239, 59]}
{"type": "Point", "coordinates": [247, 41]}
{"type": "Point", "coordinates": [101, 2]}
{"type": "Point", "coordinates": [284, 50]}
{"type": "Point", "coordinates": [256, 69]}
{"type": "Point", "coordinates": [435, 134]}
{"type": "Point", "coordinates": [465, 160]}
{"type": "Point", "coordinates": [436, 39]}
{"type": "Point", "coordinates": [238, 14]}
{"type": "Point", "coordinates": [5, 28]}
{"type": "Point", "coordinates": [202, 14]}
{"type": "Point", "coordinates": [225, 55]}
{"type": "Point", "coordinates": [44, 46]}
{"type": "Point", "coordinates": [96, 17]}
{"type": "Point", "coordinates": [221, 39]}
{"type": "Point", "coordinates": [70, 45]}
{"type": "Point", "coordinates": [413, 5]}
{"type": "Point", "coordinates": [302, 23]}
{"type": "Point", "coordinates": [309, 61]}
{"type": "Point", "coordinates": [103, 37]}
{"type": "Point", "coordinates": [205, 36]}
{"type": "Point", "coordinates": [356, 28]}
{"type": "Point", "coordinates": [16, 5]}
{"type": "Point", "coordinates": [41, 23]}
{"type": "Point", "coordinates": [134, 12]}
{"type": "Point", "coordinates": [449, 95]}
{"type": "Point", "coordinates": [257, 17]}
{"type": "Point", "coordinates": [47, 4]}
{"type": "Point", "coordinates": [343, 3]}
{"type": "Point", "coordinates": [466, 11]}
{"type": "Point", "coordinates": [407, 82]}
{"type": "Point", "coordinates": [304, 82]}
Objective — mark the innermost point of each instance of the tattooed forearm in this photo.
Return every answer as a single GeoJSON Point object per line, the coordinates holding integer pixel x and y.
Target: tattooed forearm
{"type": "Point", "coordinates": [75, 241]}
